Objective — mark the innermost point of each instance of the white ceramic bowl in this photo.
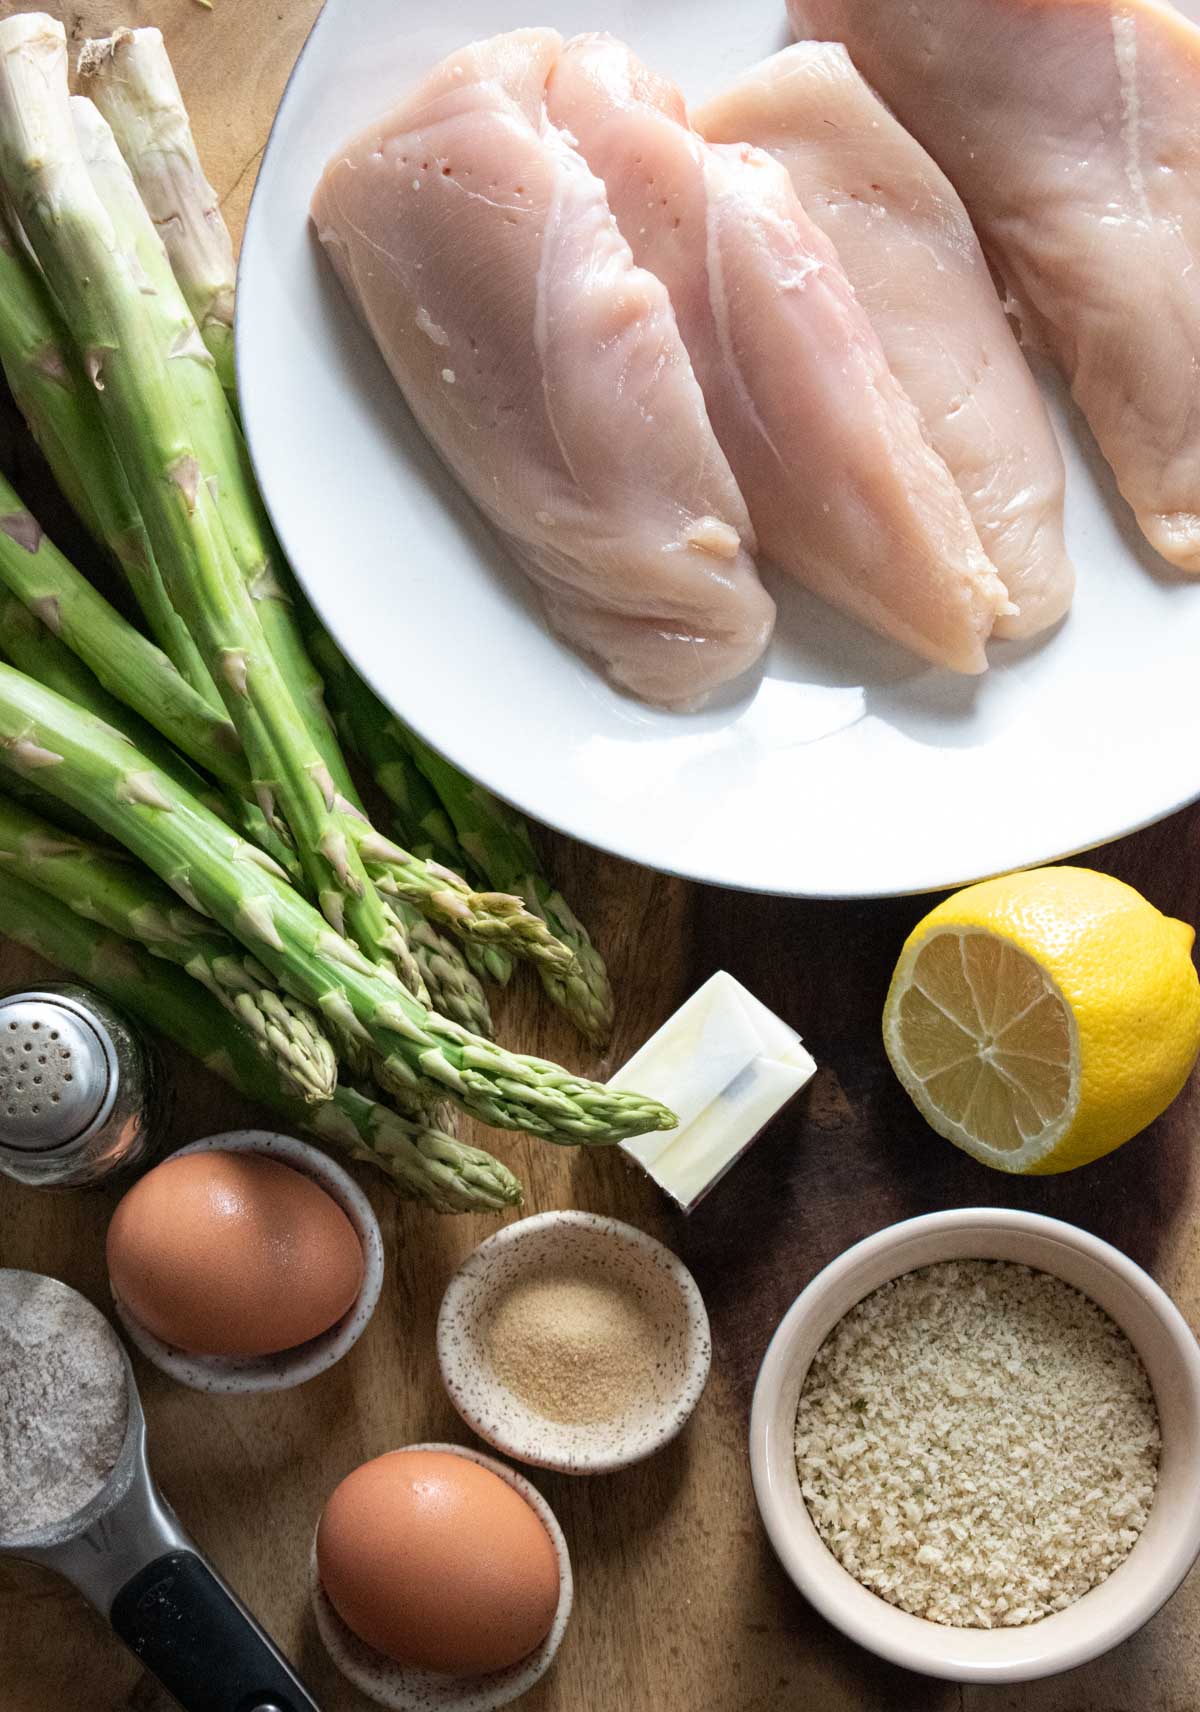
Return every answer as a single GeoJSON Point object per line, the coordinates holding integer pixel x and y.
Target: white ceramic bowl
{"type": "Point", "coordinates": [402, 1690]}
{"type": "Point", "coordinates": [1110, 1612]}
{"type": "Point", "coordinates": [661, 1282]}
{"type": "Point", "coordinates": [291, 1367]}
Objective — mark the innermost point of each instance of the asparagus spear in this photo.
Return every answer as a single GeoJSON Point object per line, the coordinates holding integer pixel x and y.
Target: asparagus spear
{"type": "Point", "coordinates": [123, 665]}
{"type": "Point", "coordinates": [466, 826]}
{"type": "Point", "coordinates": [218, 440]}
{"type": "Point", "coordinates": [127, 665]}
{"type": "Point", "coordinates": [134, 87]}
{"type": "Point", "coordinates": [47, 390]}
{"type": "Point", "coordinates": [60, 409]}
{"type": "Point", "coordinates": [32, 647]}
{"type": "Point", "coordinates": [109, 889]}
{"type": "Point", "coordinates": [219, 447]}
{"type": "Point", "coordinates": [130, 78]}
{"type": "Point", "coordinates": [59, 606]}
{"type": "Point", "coordinates": [424, 1164]}
{"type": "Point", "coordinates": [24, 790]}
{"type": "Point", "coordinates": [367, 725]}
{"type": "Point", "coordinates": [37, 651]}
{"type": "Point", "coordinates": [132, 83]}
{"type": "Point", "coordinates": [83, 763]}
{"type": "Point", "coordinates": [497, 841]}
{"type": "Point", "coordinates": [452, 986]}
{"type": "Point", "coordinates": [421, 825]}
{"type": "Point", "coordinates": [62, 413]}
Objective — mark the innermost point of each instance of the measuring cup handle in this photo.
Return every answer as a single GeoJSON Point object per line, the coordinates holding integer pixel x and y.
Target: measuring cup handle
{"type": "Point", "coordinates": [201, 1643]}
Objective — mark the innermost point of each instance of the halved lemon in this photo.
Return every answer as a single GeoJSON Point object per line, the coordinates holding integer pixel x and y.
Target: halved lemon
{"type": "Point", "coordinates": [1041, 1019]}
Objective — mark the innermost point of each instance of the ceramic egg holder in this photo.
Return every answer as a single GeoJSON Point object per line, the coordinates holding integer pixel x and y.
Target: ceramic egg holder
{"type": "Point", "coordinates": [403, 1690]}
{"type": "Point", "coordinates": [289, 1367]}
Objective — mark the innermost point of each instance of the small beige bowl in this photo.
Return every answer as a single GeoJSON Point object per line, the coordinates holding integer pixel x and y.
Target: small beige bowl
{"type": "Point", "coordinates": [1110, 1612]}
{"type": "Point", "coordinates": [291, 1367]}
{"type": "Point", "coordinates": [402, 1690]}
{"type": "Point", "coordinates": [657, 1276]}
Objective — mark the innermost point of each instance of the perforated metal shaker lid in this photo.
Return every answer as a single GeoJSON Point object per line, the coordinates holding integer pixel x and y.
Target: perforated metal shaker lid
{"type": "Point", "coordinates": [58, 1070]}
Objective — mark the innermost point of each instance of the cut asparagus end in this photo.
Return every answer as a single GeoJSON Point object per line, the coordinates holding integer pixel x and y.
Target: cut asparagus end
{"type": "Point", "coordinates": [130, 78]}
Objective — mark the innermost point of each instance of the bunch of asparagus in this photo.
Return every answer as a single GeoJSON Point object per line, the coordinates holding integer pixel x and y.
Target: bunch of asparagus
{"type": "Point", "coordinates": [246, 905]}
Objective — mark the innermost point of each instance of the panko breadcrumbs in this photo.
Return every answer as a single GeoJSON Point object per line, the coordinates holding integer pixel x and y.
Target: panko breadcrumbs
{"type": "Point", "coordinates": [978, 1443]}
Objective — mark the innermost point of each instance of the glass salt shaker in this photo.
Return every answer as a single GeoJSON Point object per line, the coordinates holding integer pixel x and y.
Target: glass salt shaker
{"type": "Point", "coordinates": [82, 1093]}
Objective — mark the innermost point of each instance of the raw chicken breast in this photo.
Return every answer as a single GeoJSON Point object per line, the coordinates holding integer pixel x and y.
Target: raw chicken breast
{"type": "Point", "coordinates": [1069, 129]}
{"type": "Point", "coordinates": [844, 492]}
{"type": "Point", "coordinates": [907, 245]}
{"type": "Point", "coordinates": [548, 370]}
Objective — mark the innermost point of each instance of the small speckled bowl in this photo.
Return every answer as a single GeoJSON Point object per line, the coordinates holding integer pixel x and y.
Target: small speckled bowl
{"type": "Point", "coordinates": [601, 1247]}
{"type": "Point", "coordinates": [403, 1690]}
{"type": "Point", "coordinates": [291, 1367]}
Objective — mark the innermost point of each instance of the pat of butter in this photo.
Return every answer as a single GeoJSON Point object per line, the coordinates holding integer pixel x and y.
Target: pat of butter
{"type": "Point", "coordinates": [725, 1065]}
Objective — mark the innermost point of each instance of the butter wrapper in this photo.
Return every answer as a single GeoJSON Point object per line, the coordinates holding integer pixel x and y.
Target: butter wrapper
{"type": "Point", "coordinates": [726, 1066]}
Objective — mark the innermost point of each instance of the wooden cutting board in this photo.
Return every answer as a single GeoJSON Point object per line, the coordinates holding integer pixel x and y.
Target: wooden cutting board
{"type": "Point", "coordinates": [680, 1606]}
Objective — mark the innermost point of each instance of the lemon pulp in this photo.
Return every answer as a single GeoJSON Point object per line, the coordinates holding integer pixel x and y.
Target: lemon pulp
{"type": "Point", "coordinates": [989, 1044]}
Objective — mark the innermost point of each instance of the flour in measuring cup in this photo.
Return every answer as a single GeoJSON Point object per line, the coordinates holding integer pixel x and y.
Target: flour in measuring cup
{"type": "Point", "coordinates": [63, 1403]}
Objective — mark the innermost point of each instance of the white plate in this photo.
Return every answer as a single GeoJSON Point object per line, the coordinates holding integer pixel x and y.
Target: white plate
{"type": "Point", "coordinates": [849, 770]}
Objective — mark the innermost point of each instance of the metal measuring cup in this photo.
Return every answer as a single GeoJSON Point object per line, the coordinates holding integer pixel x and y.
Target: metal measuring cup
{"type": "Point", "coordinates": [127, 1554]}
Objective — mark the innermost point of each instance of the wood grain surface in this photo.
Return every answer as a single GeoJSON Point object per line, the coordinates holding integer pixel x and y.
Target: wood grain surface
{"type": "Point", "coordinates": [680, 1606]}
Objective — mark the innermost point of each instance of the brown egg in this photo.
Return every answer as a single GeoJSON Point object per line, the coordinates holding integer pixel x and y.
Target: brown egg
{"type": "Point", "coordinates": [438, 1563]}
{"type": "Point", "coordinates": [233, 1254]}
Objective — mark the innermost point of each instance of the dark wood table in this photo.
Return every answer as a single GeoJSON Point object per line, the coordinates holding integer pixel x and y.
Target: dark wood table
{"type": "Point", "coordinates": [680, 1605]}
